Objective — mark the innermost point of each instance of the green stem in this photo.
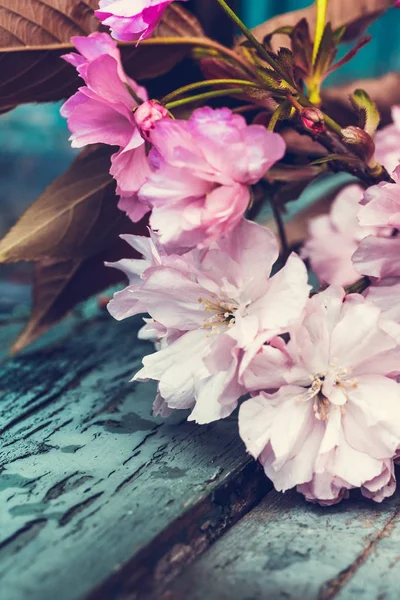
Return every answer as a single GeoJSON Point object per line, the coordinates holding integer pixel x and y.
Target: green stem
{"type": "Point", "coordinates": [204, 96]}
{"type": "Point", "coordinates": [252, 39]}
{"type": "Point", "coordinates": [210, 82]}
{"type": "Point", "coordinates": [277, 114]}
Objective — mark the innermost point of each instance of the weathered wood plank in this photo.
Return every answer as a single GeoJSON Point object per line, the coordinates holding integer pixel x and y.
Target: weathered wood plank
{"type": "Point", "coordinates": [95, 493]}
{"type": "Point", "coordinates": [286, 548]}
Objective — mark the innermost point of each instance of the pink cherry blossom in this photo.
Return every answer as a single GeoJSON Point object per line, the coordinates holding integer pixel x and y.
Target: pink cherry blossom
{"type": "Point", "coordinates": [131, 20]}
{"type": "Point", "coordinates": [335, 237]}
{"type": "Point", "coordinates": [335, 424]}
{"type": "Point", "coordinates": [379, 256]}
{"type": "Point", "coordinates": [381, 204]}
{"type": "Point", "coordinates": [147, 115]}
{"type": "Point", "coordinates": [215, 308]}
{"type": "Point", "coordinates": [102, 112]}
{"type": "Point", "coordinates": [385, 294]}
{"type": "Point", "coordinates": [202, 170]}
{"type": "Point", "coordinates": [387, 142]}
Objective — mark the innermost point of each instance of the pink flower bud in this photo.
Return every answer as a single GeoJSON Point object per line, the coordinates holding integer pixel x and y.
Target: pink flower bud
{"type": "Point", "coordinates": [147, 115]}
{"type": "Point", "coordinates": [361, 141]}
{"type": "Point", "coordinates": [313, 120]}
{"type": "Point", "coordinates": [397, 4]}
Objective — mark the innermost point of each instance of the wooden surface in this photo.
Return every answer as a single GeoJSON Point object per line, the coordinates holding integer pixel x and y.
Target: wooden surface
{"type": "Point", "coordinates": [288, 549]}
{"type": "Point", "coordinates": [96, 494]}
{"type": "Point", "coordinates": [101, 501]}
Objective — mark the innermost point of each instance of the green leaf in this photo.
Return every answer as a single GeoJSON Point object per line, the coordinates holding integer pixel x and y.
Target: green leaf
{"type": "Point", "coordinates": [367, 109]}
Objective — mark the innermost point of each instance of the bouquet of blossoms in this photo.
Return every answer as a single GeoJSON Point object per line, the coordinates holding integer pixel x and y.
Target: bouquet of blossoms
{"type": "Point", "coordinates": [179, 159]}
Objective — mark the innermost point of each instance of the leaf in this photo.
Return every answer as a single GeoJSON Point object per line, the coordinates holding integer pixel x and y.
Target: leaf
{"type": "Point", "coordinates": [367, 109]}
{"type": "Point", "coordinates": [341, 158]}
{"type": "Point", "coordinates": [58, 286]}
{"type": "Point", "coordinates": [72, 218]}
{"type": "Point", "coordinates": [326, 53]}
{"type": "Point", "coordinates": [285, 30]}
{"type": "Point", "coordinates": [34, 34]}
{"type": "Point", "coordinates": [302, 46]}
{"type": "Point", "coordinates": [300, 144]}
{"type": "Point", "coordinates": [222, 68]}
{"type": "Point", "coordinates": [272, 81]}
{"type": "Point", "coordinates": [350, 54]}
{"type": "Point", "coordinates": [292, 173]}
{"type": "Point", "coordinates": [356, 16]}
{"type": "Point", "coordinates": [384, 91]}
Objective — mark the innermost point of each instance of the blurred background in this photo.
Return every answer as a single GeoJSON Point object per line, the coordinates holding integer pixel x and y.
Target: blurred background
{"type": "Point", "coordinates": [34, 146]}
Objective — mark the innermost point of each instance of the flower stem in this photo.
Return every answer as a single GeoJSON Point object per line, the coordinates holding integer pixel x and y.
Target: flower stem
{"type": "Point", "coordinates": [359, 286]}
{"type": "Point", "coordinates": [210, 82]}
{"type": "Point", "coordinates": [320, 26]}
{"type": "Point", "coordinates": [277, 114]}
{"type": "Point", "coordinates": [281, 228]}
{"type": "Point", "coordinates": [252, 39]}
{"type": "Point", "coordinates": [204, 96]}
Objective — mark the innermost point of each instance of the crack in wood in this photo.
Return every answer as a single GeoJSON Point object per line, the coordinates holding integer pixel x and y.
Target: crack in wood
{"type": "Point", "coordinates": [65, 485]}
{"type": "Point", "coordinates": [23, 536]}
{"type": "Point", "coordinates": [25, 415]}
{"type": "Point", "coordinates": [332, 587]}
{"type": "Point", "coordinates": [156, 565]}
{"type": "Point", "coordinates": [78, 508]}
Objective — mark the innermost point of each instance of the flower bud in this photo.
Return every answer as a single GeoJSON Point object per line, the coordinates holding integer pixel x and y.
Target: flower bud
{"type": "Point", "coordinates": [147, 115]}
{"type": "Point", "coordinates": [360, 140]}
{"type": "Point", "coordinates": [313, 120]}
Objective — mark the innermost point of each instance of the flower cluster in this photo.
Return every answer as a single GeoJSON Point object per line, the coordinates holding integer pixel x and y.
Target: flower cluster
{"type": "Point", "coordinates": [229, 317]}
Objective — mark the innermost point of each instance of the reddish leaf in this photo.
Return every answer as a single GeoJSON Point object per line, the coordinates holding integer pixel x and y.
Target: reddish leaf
{"type": "Point", "coordinates": [34, 34]}
{"type": "Point", "coordinates": [59, 286]}
{"type": "Point", "coordinates": [75, 216]}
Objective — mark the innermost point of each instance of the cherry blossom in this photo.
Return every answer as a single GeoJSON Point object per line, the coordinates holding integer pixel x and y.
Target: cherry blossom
{"type": "Point", "coordinates": [215, 308]}
{"type": "Point", "coordinates": [335, 424]}
{"type": "Point", "coordinates": [387, 142]}
{"type": "Point", "coordinates": [202, 170]}
{"type": "Point", "coordinates": [147, 115]}
{"type": "Point", "coordinates": [379, 257]}
{"type": "Point", "coordinates": [102, 112]}
{"type": "Point", "coordinates": [334, 238]}
{"type": "Point", "coordinates": [131, 20]}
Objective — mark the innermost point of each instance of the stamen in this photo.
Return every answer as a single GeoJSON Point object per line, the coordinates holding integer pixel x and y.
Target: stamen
{"type": "Point", "coordinates": [223, 313]}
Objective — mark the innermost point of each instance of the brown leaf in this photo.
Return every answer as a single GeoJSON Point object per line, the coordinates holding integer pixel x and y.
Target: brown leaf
{"type": "Point", "coordinates": [301, 144]}
{"type": "Point", "coordinates": [59, 286]}
{"type": "Point", "coordinates": [384, 91]}
{"type": "Point", "coordinates": [34, 34]}
{"type": "Point", "coordinates": [356, 15]}
{"type": "Point", "coordinates": [74, 216]}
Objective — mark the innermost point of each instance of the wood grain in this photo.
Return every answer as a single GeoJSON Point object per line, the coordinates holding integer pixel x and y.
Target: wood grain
{"type": "Point", "coordinates": [286, 548]}
{"type": "Point", "coordinates": [97, 496]}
